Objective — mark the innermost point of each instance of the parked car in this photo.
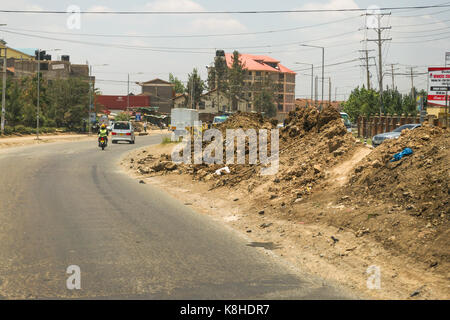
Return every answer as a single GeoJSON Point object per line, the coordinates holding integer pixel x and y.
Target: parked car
{"type": "Point", "coordinates": [219, 119]}
{"type": "Point", "coordinates": [379, 138]}
{"type": "Point", "coordinates": [346, 120]}
{"type": "Point", "coordinates": [122, 131]}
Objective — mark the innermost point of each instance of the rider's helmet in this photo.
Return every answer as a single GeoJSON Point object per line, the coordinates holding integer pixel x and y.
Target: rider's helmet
{"type": "Point", "coordinates": [103, 126]}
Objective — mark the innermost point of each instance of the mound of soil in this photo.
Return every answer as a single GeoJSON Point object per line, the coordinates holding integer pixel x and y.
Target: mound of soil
{"type": "Point", "coordinates": [311, 143]}
{"type": "Point", "coordinates": [418, 182]}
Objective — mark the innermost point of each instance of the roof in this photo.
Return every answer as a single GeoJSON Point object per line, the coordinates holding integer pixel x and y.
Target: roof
{"type": "Point", "coordinates": [155, 81]}
{"type": "Point", "coordinates": [258, 63]}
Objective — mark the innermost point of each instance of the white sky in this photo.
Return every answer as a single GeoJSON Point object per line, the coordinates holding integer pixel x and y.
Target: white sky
{"type": "Point", "coordinates": [413, 33]}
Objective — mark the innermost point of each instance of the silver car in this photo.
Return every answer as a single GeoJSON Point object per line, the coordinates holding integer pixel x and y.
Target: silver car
{"type": "Point", "coordinates": [379, 138]}
{"type": "Point", "coordinates": [122, 131]}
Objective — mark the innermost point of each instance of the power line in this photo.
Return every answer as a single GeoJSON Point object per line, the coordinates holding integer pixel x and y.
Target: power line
{"type": "Point", "coordinates": [222, 12]}
{"type": "Point", "coordinates": [186, 36]}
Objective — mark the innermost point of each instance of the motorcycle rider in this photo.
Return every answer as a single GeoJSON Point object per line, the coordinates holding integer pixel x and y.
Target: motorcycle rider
{"type": "Point", "coordinates": [103, 133]}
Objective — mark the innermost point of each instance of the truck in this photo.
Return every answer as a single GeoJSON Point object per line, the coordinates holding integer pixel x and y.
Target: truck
{"type": "Point", "coordinates": [182, 120]}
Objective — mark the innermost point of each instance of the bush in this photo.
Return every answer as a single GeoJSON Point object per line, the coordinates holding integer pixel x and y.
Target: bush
{"type": "Point", "coordinates": [22, 129]}
{"type": "Point", "coordinates": [9, 130]}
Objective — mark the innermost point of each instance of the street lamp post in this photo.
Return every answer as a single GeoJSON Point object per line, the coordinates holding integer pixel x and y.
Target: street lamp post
{"type": "Point", "coordinates": [90, 94]}
{"type": "Point", "coordinates": [39, 88]}
{"type": "Point", "coordinates": [323, 65]}
{"type": "Point", "coordinates": [128, 90]}
{"type": "Point", "coordinates": [312, 77]}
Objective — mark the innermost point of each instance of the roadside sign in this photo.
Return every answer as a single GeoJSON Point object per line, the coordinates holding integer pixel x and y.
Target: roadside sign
{"type": "Point", "coordinates": [438, 85]}
{"type": "Point", "coordinates": [447, 58]}
{"type": "Point", "coordinates": [92, 117]}
{"type": "Point", "coordinates": [138, 116]}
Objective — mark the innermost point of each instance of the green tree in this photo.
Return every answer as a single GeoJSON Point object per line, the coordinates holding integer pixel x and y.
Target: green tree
{"type": "Point", "coordinates": [236, 75]}
{"type": "Point", "coordinates": [123, 116]}
{"type": "Point", "coordinates": [265, 102]}
{"type": "Point", "coordinates": [221, 74]}
{"type": "Point", "coordinates": [195, 87]}
{"type": "Point", "coordinates": [211, 81]}
{"type": "Point", "coordinates": [178, 85]}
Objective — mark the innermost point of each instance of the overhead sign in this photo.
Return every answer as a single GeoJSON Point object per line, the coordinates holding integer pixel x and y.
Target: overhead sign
{"type": "Point", "coordinates": [438, 85]}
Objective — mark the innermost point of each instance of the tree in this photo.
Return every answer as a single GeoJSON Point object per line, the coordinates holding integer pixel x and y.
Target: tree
{"type": "Point", "coordinates": [220, 72]}
{"type": "Point", "coordinates": [195, 87]}
{"type": "Point", "coordinates": [123, 116]}
{"type": "Point", "coordinates": [236, 75]}
{"type": "Point", "coordinates": [211, 81]}
{"type": "Point", "coordinates": [265, 102]}
{"type": "Point", "coordinates": [178, 85]}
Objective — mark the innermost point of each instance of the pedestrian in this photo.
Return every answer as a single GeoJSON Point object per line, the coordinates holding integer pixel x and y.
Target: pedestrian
{"type": "Point", "coordinates": [145, 126]}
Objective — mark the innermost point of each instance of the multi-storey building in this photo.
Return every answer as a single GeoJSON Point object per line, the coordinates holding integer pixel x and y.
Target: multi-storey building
{"type": "Point", "coordinates": [260, 70]}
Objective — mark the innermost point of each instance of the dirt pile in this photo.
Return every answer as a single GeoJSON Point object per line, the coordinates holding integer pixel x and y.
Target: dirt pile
{"type": "Point", "coordinates": [418, 183]}
{"type": "Point", "coordinates": [311, 143]}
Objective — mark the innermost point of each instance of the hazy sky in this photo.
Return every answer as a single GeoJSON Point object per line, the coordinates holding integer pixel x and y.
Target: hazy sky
{"type": "Point", "coordinates": [414, 34]}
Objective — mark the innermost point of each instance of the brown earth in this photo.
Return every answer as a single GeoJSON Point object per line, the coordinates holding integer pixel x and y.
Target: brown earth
{"type": "Point", "coordinates": [335, 207]}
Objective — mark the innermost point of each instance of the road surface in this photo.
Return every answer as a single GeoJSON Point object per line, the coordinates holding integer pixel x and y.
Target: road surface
{"type": "Point", "coordinates": [67, 204]}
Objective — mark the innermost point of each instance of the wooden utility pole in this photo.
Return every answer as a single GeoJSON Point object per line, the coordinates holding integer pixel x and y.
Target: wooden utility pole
{"type": "Point", "coordinates": [379, 29]}
{"type": "Point", "coordinates": [329, 90]}
{"type": "Point", "coordinates": [4, 91]}
{"type": "Point", "coordinates": [366, 58]}
{"type": "Point", "coordinates": [412, 83]}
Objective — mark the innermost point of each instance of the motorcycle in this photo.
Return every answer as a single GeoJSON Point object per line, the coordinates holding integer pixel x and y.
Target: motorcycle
{"type": "Point", "coordinates": [102, 143]}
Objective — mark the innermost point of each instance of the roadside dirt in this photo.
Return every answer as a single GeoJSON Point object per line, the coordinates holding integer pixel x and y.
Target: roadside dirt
{"type": "Point", "coordinates": [7, 142]}
{"type": "Point", "coordinates": [319, 211]}
{"type": "Point", "coordinates": [15, 141]}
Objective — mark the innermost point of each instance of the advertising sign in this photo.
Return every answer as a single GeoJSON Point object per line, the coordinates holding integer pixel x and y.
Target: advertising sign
{"type": "Point", "coordinates": [438, 85]}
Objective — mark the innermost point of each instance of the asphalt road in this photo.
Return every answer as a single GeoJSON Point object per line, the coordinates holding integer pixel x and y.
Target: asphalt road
{"type": "Point", "coordinates": [68, 204]}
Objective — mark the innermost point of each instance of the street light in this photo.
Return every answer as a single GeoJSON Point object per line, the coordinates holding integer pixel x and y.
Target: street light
{"type": "Point", "coordinates": [312, 77]}
{"type": "Point", "coordinates": [128, 91]}
{"type": "Point", "coordinates": [91, 92]}
{"type": "Point", "coordinates": [323, 64]}
{"type": "Point", "coordinates": [38, 88]}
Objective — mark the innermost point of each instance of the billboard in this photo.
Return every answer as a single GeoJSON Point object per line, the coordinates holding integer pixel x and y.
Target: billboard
{"type": "Point", "coordinates": [438, 85]}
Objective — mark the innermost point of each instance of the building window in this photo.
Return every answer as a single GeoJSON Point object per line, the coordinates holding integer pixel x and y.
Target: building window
{"type": "Point", "coordinates": [258, 73]}
{"type": "Point", "coordinates": [201, 105]}
{"type": "Point", "coordinates": [281, 77]}
{"type": "Point", "coordinates": [280, 107]}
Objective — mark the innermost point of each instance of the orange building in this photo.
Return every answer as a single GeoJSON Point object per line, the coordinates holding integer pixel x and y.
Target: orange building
{"type": "Point", "coordinates": [260, 68]}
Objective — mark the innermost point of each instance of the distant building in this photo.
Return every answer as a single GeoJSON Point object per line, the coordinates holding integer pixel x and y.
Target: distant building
{"type": "Point", "coordinates": [180, 100]}
{"type": "Point", "coordinates": [216, 102]}
{"type": "Point", "coordinates": [264, 68]}
{"type": "Point", "coordinates": [161, 94]}
{"type": "Point", "coordinates": [21, 65]}
{"type": "Point", "coordinates": [117, 104]}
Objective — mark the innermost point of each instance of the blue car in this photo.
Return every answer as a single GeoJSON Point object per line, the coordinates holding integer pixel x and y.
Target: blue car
{"type": "Point", "coordinates": [379, 138]}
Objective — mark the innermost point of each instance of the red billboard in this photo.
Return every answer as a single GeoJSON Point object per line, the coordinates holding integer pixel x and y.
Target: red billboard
{"type": "Point", "coordinates": [105, 102]}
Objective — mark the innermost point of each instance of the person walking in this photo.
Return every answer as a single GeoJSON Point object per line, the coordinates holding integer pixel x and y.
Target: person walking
{"type": "Point", "coordinates": [145, 126]}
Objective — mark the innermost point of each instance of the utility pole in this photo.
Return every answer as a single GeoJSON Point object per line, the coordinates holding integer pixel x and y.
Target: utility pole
{"type": "Point", "coordinates": [379, 29]}
{"type": "Point", "coordinates": [316, 89]}
{"type": "Point", "coordinates": [335, 94]}
{"type": "Point", "coordinates": [393, 81]}
{"type": "Point", "coordinates": [329, 90]}
{"type": "Point", "coordinates": [412, 84]}
{"type": "Point", "coordinates": [90, 100]}
{"type": "Point", "coordinates": [38, 93]}
{"type": "Point", "coordinates": [4, 92]}
{"type": "Point", "coordinates": [366, 58]}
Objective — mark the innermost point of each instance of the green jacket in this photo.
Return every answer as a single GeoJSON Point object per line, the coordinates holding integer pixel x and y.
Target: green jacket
{"type": "Point", "coordinates": [103, 133]}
